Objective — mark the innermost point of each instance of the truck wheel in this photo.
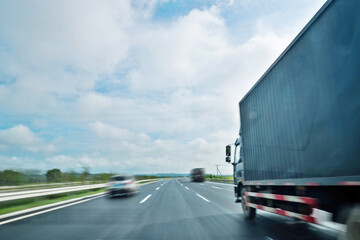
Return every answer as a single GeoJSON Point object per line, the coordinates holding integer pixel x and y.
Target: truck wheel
{"type": "Point", "coordinates": [249, 212]}
{"type": "Point", "coordinates": [353, 224]}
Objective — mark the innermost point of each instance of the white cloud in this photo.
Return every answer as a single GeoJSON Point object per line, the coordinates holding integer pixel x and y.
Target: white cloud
{"type": "Point", "coordinates": [176, 84]}
{"type": "Point", "coordinates": [175, 55]}
{"type": "Point", "coordinates": [68, 162]}
{"type": "Point", "coordinates": [54, 51]}
{"type": "Point", "coordinates": [109, 132]}
{"type": "Point", "coordinates": [146, 8]}
{"type": "Point", "coordinates": [21, 137]}
{"type": "Point", "coordinates": [83, 35]}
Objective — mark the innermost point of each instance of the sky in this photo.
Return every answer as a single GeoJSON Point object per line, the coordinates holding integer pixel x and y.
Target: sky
{"type": "Point", "coordinates": [142, 86]}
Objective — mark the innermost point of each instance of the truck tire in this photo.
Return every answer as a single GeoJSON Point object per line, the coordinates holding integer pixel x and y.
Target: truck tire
{"type": "Point", "coordinates": [249, 212]}
{"type": "Point", "coordinates": [353, 224]}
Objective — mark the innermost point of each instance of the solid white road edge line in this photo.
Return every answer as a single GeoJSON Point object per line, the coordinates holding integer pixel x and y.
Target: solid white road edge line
{"type": "Point", "coordinates": [222, 188]}
{"type": "Point", "coordinates": [226, 184]}
{"type": "Point", "coordinates": [146, 198]}
{"type": "Point", "coordinates": [33, 209]}
{"type": "Point", "coordinates": [45, 211]}
{"type": "Point", "coordinates": [202, 197]}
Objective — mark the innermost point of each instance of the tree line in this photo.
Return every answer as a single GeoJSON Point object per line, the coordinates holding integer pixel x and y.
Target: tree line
{"type": "Point", "coordinates": [11, 177]}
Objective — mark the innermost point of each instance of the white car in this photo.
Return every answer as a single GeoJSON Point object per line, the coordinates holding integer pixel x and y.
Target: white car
{"type": "Point", "coordinates": [122, 185]}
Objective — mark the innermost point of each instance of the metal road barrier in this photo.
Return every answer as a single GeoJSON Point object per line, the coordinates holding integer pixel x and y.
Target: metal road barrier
{"type": "Point", "coordinates": [11, 196]}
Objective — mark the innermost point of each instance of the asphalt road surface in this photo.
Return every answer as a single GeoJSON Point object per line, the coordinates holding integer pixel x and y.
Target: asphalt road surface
{"type": "Point", "coordinates": [169, 209]}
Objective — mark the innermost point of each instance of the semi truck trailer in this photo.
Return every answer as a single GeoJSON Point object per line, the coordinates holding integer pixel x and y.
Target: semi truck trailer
{"type": "Point", "coordinates": [298, 148]}
{"type": "Point", "coordinates": [197, 175]}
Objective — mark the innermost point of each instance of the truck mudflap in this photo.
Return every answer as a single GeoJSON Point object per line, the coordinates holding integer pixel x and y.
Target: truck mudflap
{"type": "Point", "coordinates": [312, 202]}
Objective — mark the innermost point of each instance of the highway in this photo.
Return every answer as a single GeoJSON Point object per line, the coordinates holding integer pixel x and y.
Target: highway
{"type": "Point", "coordinates": [168, 209]}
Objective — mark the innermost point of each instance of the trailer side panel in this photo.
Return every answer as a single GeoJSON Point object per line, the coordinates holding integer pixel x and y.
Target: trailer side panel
{"type": "Point", "coordinates": [302, 119]}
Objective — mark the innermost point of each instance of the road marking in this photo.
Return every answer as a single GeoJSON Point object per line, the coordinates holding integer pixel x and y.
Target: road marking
{"type": "Point", "coordinates": [187, 188]}
{"type": "Point", "coordinates": [157, 188]}
{"type": "Point", "coordinates": [48, 210]}
{"type": "Point", "coordinates": [202, 197]}
{"type": "Point", "coordinates": [216, 187]}
{"type": "Point", "coordinates": [225, 184]}
{"type": "Point", "coordinates": [144, 200]}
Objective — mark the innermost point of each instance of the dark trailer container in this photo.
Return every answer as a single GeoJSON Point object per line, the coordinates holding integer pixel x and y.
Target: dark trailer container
{"type": "Point", "coordinates": [301, 122]}
{"type": "Point", "coordinates": [197, 175]}
{"type": "Point", "coordinates": [298, 149]}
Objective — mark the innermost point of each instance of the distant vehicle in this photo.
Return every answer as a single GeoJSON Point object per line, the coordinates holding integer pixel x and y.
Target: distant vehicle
{"type": "Point", "coordinates": [197, 175]}
{"type": "Point", "coordinates": [121, 185]}
{"type": "Point", "coordinates": [298, 148]}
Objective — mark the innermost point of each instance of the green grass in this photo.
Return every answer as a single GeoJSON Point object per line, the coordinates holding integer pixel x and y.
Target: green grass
{"type": "Point", "coordinates": [211, 176]}
{"type": "Point", "coordinates": [13, 206]}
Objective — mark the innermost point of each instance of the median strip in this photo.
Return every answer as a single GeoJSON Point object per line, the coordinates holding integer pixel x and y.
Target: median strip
{"type": "Point", "coordinates": [33, 204]}
{"type": "Point", "coordinates": [45, 211]}
{"type": "Point", "coordinates": [22, 202]}
{"type": "Point", "coordinates": [12, 196]}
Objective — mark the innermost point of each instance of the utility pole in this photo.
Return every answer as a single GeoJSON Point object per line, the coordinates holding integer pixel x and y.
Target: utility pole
{"type": "Point", "coordinates": [217, 170]}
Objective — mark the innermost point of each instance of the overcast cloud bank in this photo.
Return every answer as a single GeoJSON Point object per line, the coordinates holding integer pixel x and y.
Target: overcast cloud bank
{"type": "Point", "coordinates": [111, 86]}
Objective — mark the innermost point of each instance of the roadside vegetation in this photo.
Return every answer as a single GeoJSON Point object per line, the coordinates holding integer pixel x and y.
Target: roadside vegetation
{"type": "Point", "coordinates": [54, 177]}
{"type": "Point", "coordinates": [225, 177]}
{"type": "Point", "coordinates": [14, 178]}
{"type": "Point", "coordinates": [144, 177]}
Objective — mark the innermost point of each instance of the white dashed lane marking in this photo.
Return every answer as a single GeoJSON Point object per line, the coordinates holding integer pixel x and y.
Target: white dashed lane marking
{"type": "Point", "coordinates": [202, 197]}
{"type": "Point", "coordinates": [144, 200]}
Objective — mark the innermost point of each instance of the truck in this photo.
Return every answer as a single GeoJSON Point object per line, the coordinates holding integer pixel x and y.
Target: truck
{"type": "Point", "coordinates": [298, 148]}
{"type": "Point", "coordinates": [197, 175]}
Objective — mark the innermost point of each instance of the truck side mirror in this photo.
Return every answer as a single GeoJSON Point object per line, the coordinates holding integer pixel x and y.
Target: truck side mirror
{"type": "Point", "coordinates": [228, 154]}
{"type": "Point", "coordinates": [228, 151]}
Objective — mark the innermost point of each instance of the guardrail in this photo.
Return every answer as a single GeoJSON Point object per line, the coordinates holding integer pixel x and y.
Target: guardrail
{"type": "Point", "coordinates": [42, 185]}
{"type": "Point", "coordinates": [220, 180]}
{"type": "Point", "coordinates": [11, 196]}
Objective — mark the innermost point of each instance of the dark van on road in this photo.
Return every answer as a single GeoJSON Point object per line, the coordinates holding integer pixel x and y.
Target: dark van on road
{"type": "Point", "coordinates": [197, 175]}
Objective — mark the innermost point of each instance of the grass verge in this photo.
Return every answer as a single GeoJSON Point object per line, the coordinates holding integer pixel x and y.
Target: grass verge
{"type": "Point", "coordinates": [13, 206]}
